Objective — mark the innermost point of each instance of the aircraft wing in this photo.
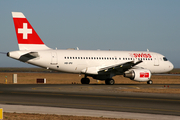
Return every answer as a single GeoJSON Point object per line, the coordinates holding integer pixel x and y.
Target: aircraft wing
{"type": "Point", "coordinates": [119, 67]}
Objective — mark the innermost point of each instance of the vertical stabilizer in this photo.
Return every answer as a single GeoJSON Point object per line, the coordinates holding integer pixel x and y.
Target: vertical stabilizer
{"type": "Point", "coordinates": [27, 37]}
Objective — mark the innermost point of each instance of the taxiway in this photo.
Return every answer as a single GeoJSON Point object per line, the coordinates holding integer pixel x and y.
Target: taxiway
{"type": "Point", "coordinates": [92, 97]}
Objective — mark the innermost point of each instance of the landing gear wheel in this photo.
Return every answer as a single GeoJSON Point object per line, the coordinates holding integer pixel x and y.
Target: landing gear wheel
{"type": "Point", "coordinates": [85, 81]}
{"type": "Point", "coordinates": [150, 82]}
{"type": "Point", "coordinates": [109, 81]}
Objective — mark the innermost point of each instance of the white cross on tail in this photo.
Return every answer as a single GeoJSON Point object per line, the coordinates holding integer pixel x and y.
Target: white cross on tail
{"type": "Point", "coordinates": [25, 31]}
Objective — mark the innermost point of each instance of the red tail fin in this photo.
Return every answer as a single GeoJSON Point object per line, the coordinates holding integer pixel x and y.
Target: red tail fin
{"type": "Point", "coordinates": [27, 37]}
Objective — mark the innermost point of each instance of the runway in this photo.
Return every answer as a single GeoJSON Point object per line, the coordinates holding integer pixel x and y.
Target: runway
{"type": "Point", "coordinates": [91, 97]}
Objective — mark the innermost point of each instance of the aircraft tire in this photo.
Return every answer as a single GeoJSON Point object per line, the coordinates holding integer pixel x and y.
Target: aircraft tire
{"type": "Point", "coordinates": [150, 82]}
{"type": "Point", "coordinates": [85, 81]}
{"type": "Point", "coordinates": [109, 82]}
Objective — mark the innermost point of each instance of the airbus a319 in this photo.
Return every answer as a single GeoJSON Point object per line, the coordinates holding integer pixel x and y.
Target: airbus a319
{"type": "Point", "coordinates": [100, 65]}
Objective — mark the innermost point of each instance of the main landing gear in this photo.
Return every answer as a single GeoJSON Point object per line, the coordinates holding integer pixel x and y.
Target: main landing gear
{"type": "Point", "coordinates": [109, 81]}
{"type": "Point", "coordinates": [150, 82]}
{"type": "Point", "coordinates": [85, 81]}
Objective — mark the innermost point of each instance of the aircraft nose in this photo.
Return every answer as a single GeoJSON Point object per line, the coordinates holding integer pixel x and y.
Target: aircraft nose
{"type": "Point", "coordinates": [171, 66]}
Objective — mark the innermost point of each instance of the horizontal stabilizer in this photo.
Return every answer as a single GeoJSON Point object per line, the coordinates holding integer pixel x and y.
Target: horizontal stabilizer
{"type": "Point", "coordinates": [31, 55]}
{"type": "Point", "coordinates": [28, 56]}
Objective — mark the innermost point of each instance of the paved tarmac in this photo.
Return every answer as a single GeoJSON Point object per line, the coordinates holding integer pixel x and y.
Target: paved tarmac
{"type": "Point", "coordinates": [92, 97]}
{"type": "Point", "coordinates": [84, 112]}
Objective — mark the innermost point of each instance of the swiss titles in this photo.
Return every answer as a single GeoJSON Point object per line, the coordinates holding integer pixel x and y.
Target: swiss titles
{"type": "Point", "coordinates": [142, 55]}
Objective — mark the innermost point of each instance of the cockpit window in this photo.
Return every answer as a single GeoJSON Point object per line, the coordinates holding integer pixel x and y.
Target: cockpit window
{"type": "Point", "coordinates": [165, 59]}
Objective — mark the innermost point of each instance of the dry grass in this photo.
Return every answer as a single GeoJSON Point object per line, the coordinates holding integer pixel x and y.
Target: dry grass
{"type": "Point", "coordinates": [175, 71]}
{"type": "Point", "coordinates": [63, 78]}
{"type": "Point", "coordinates": [30, 78]}
{"type": "Point", "coordinates": [25, 116]}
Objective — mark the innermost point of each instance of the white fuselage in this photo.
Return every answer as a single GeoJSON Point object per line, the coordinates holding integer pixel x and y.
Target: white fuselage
{"type": "Point", "coordinates": [75, 61]}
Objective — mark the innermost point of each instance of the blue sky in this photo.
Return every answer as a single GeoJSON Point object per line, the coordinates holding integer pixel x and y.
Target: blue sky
{"type": "Point", "coordinates": [96, 24]}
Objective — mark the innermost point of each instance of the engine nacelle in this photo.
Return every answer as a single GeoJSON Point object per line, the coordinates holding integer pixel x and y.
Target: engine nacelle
{"type": "Point", "coordinates": [138, 75]}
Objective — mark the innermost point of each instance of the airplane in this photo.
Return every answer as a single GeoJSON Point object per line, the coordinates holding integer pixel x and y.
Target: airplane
{"type": "Point", "coordinates": [98, 64]}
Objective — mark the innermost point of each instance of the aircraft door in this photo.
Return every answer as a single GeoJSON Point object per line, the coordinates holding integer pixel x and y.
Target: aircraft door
{"type": "Point", "coordinates": [156, 60]}
{"type": "Point", "coordinates": [54, 58]}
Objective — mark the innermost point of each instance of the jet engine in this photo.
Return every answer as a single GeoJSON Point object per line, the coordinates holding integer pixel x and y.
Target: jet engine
{"type": "Point", "coordinates": [141, 75]}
